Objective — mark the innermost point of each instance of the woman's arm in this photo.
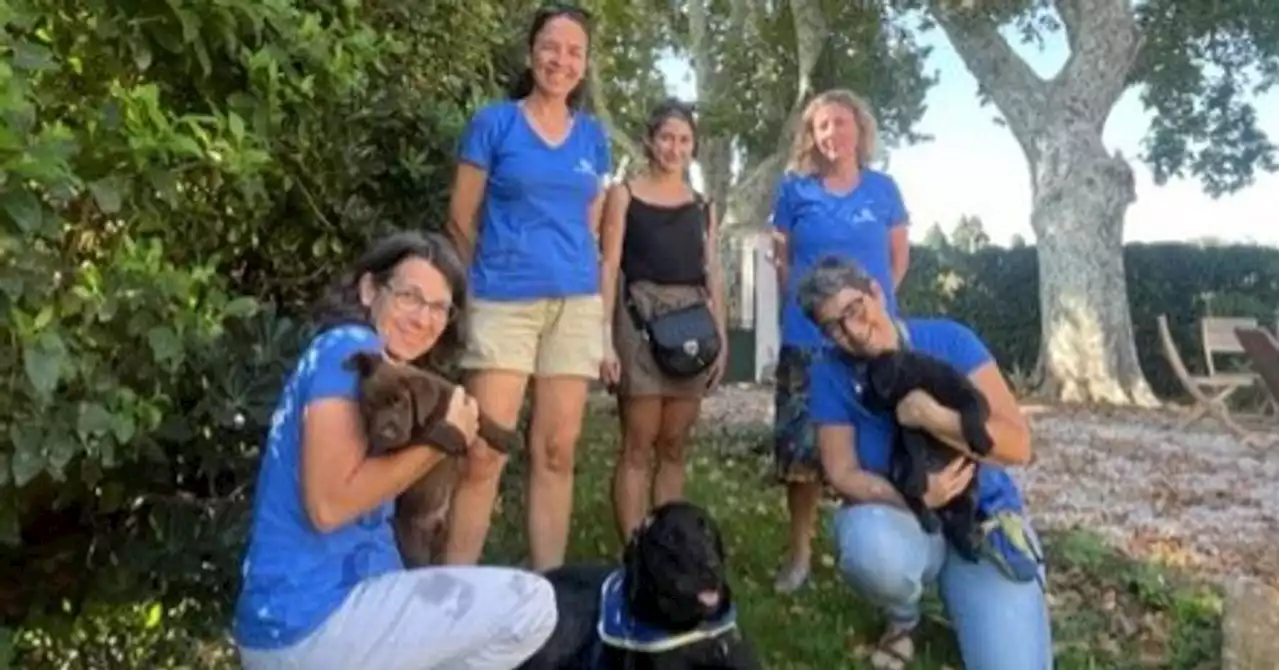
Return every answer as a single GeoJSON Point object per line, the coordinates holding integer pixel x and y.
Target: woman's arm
{"type": "Point", "coordinates": [840, 463]}
{"type": "Point", "coordinates": [1007, 426]}
{"type": "Point", "coordinates": [339, 482]}
{"type": "Point", "coordinates": [782, 260]}
{"type": "Point", "coordinates": [899, 253]}
{"type": "Point", "coordinates": [613, 227]}
{"type": "Point", "coordinates": [464, 205]}
{"type": "Point", "coordinates": [715, 276]}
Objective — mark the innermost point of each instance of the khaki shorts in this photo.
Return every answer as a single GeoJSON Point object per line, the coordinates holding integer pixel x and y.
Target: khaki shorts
{"type": "Point", "coordinates": [549, 337]}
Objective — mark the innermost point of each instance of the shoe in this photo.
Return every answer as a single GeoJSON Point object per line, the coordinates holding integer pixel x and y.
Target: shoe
{"type": "Point", "coordinates": [791, 577]}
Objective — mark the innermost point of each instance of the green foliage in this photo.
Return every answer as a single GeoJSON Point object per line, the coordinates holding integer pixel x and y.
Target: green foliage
{"type": "Point", "coordinates": [994, 290]}
{"type": "Point", "coordinates": [166, 168]}
{"type": "Point", "coordinates": [1155, 618]}
{"type": "Point", "coordinates": [1199, 66]}
{"type": "Point", "coordinates": [869, 49]}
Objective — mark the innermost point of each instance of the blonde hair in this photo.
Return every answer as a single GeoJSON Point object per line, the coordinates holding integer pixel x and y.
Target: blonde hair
{"type": "Point", "coordinates": [805, 157]}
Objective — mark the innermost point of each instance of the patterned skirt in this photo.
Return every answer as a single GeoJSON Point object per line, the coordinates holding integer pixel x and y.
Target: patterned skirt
{"type": "Point", "coordinates": [795, 443]}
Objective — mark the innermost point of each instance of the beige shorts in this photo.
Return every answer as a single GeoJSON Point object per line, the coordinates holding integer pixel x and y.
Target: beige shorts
{"type": "Point", "coordinates": [549, 337]}
{"type": "Point", "coordinates": [641, 376]}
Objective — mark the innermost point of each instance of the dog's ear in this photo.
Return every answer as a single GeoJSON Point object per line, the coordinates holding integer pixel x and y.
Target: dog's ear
{"type": "Point", "coordinates": [363, 362]}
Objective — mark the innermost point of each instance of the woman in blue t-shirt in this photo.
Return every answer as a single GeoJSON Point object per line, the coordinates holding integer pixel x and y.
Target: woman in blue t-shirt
{"type": "Point", "coordinates": [323, 582]}
{"type": "Point", "coordinates": [829, 200]}
{"type": "Point", "coordinates": [996, 604]}
{"type": "Point", "coordinates": [525, 213]}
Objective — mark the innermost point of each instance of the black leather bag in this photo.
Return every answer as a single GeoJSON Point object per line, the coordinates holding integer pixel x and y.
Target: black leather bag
{"type": "Point", "coordinates": [684, 341]}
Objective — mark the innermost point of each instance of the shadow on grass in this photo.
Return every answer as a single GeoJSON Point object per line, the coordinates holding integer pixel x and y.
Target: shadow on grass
{"type": "Point", "coordinates": [1109, 611]}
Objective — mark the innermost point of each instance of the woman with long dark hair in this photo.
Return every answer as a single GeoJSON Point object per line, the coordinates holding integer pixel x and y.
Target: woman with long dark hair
{"type": "Point", "coordinates": [525, 210]}
{"type": "Point", "coordinates": [659, 238]}
{"type": "Point", "coordinates": [324, 585]}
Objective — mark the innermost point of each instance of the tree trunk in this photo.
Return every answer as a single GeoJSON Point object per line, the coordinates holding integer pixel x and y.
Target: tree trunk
{"type": "Point", "coordinates": [1080, 194]}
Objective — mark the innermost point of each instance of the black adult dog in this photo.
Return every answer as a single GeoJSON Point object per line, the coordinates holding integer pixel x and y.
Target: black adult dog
{"type": "Point", "coordinates": [916, 454]}
{"type": "Point", "coordinates": [668, 607]}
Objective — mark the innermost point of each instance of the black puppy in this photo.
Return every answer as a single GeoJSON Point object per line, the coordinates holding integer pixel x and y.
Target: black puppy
{"type": "Point", "coordinates": [668, 607]}
{"type": "Point", "coordinates": [916, 454]}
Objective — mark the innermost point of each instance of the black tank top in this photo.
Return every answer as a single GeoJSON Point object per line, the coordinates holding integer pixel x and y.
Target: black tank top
{"type": "Point", "coordinates": [664, 243]}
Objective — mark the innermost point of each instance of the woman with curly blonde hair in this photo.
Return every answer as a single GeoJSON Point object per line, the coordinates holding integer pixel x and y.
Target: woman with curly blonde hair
{"type": "Point", "coordinates": [830, 201]}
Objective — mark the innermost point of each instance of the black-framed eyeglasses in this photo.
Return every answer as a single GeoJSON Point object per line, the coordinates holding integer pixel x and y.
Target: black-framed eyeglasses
{"type": "Point", "coordinates": [853, 309]}
{"type": "Point", "coordinates": [411, 301]}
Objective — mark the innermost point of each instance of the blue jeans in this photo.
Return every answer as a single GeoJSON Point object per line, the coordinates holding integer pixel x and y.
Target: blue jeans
{"type": "Point", "coordinates": [1000, 624]}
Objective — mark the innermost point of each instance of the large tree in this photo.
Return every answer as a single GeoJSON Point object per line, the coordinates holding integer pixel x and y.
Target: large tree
{"type": "Point", "coordinates": [1195, 64]}
{"type": "Point", "coordinates": [756, 64]}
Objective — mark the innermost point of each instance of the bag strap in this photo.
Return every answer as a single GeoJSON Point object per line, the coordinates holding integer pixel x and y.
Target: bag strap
{"type": "Point", "coordinates": [701, 203]}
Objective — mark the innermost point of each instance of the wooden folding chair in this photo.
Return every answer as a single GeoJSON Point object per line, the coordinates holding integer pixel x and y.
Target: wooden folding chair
{"type": "Point", "coordinates": [1218, 337]}
{"type": "Point", "coordinates": [1199, 387]}
{"type": "Point", "coordinates": [1264, 359]}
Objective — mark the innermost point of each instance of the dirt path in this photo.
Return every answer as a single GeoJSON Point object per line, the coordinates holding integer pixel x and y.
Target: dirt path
{"type": "Point", "coordinates": [1198, 498]}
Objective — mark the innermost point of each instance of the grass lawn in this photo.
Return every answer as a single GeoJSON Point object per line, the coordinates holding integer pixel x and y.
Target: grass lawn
{"type": "Point", "coordinates": [1109, 612]}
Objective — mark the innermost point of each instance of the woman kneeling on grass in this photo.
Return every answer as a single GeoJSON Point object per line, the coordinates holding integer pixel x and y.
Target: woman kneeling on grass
{"type": "Point", "coordinates": [324, 586]}
{"type": "Point", "coordinates": [997, 604]}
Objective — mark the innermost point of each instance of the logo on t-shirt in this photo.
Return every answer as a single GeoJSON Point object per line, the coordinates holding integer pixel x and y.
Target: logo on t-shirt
{"type": "Point", "coordinates": [864, 215]}
{"type": "Point", "coordinates": [585, 167]}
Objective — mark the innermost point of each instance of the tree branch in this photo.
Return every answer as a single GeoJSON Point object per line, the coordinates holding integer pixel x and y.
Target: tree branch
{"type": "Point", "coordinates": [1017, 91]}
{"type": "Point", "coordinates": [1105, 42]}
{"type": "Point", "coordinates": [751, 198]}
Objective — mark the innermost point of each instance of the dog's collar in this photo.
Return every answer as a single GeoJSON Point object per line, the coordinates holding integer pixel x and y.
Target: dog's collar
{"type": "Point", "coordinates": [618, 628]}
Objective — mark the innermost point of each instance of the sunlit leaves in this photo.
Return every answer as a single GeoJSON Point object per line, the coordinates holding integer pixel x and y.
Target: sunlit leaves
{"type": "Point", "coordinates": [1200, 63]}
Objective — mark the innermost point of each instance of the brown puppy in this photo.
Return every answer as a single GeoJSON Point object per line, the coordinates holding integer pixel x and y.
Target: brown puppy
{"type": "Point", "coordinates": [404, 405]}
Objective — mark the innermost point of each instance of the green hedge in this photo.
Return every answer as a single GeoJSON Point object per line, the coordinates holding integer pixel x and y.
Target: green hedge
{"type": "Point", "coordinates": [995, 290]}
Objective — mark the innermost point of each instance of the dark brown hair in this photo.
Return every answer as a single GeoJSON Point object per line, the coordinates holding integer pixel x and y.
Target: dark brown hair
{"type": "Point", "coordinates": [524, 84]}
{"type": "Point", "coordinates": [341, 303]}
{"type": "Point", "coordinates": [671, 108]}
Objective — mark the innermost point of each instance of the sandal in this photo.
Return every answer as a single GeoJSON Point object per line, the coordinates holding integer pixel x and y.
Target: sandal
{"type": "Point", "coordinates": [894, 650]}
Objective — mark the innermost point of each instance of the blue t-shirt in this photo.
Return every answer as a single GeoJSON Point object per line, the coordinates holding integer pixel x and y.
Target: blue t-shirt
{"type": "Point", "coordinates": [833, 399]}
{"type": "Point", "coordinates": [818, 222]}
{"type": "Point", "coordinates": [535, 238]}
{"type": "Point", "coordinates": [294, 575]}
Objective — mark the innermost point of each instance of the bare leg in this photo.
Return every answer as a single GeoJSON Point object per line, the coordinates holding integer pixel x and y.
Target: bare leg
{"type": "Point", "coordinates": [640, 418]}
{"type": "Point", "coordinates": [558, 406]}
{"type": "Point", "coordinates": [678, 415]}
{"type": "Point", "coordinates": [802, 503]}
{"type": "Point", "coordinates": [499, 394]}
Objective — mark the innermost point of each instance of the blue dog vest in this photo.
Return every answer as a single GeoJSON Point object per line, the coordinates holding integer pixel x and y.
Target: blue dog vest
{"type": "Point", "coordinates": [618, 628]}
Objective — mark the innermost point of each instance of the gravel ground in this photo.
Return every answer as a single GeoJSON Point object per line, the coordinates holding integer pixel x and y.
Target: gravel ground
{"type": "Point", "coordinates": [1196, 498]}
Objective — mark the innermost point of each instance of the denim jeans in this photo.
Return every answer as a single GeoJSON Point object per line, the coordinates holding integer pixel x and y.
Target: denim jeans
{"type": "Point", "coordinates": [1000, 624]}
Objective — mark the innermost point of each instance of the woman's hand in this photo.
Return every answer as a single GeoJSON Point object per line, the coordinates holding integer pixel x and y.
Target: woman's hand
{"type": "Point", "coordinates": [464, 414]}
{"type": "Point", "coordinates": [721, 365]}
{"type": "Point", "coordinates": [610, 368]}
{"type": "Point", "coordinates": [949, 482]}
{"type": "Point", "coordinates": [917, 410]}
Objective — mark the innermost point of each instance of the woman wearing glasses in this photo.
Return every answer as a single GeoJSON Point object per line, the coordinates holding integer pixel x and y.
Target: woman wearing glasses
{"type": "Point", "coordinates": [324, 585]}
{"type": "Point", "coordinates": [830, 201]}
